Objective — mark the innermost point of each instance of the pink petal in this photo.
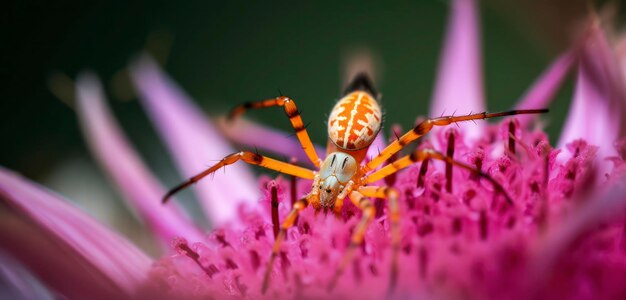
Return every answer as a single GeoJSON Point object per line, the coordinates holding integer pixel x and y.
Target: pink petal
{"type": "Point", "coordinates": [115, 154]}
{"type": "Point", "coordinates": [379, 143]}
{"type": "Point", "coordinates": [620, 51]}
{"type": "Point", "coordinates": [253, 134]}
{"type": "Point", "coordinates": [606, 206]}
{"type": "Point", "coordinates": [597, 113]}
{"type": "Point", "coordinates": [194, 142]}
{"type": "Point", "coordinates": [542, 92]}
{"type": "Point", "coordinates": [69, 250]}
{"type": "Point", "coordinates": [18, 283]}
{"type": "Point", "coordinates": [459, 85]}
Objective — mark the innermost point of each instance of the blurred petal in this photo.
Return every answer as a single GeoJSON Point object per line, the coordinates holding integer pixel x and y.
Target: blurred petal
{"type": "Point", "coordinates": [605, 206]}
{"type": "Point", "coordinates": [597, 113]}
{"type": "Point", "coordinates": [620, 52]}
{"type": "Point", "coordinates": [542, 92]}
{"type": "Point", "coordinates": [253, 134]}
{"type": "Point", "coordinates": [17, 283]}
{"type": "Point", "coordinates": [194, 142]}
{"type": "Point", "coordinates": [69, 250]}
{"type": "Point", "coordinates": [459, 85]}
{"type": "Point", "coordinates": [118, 158]}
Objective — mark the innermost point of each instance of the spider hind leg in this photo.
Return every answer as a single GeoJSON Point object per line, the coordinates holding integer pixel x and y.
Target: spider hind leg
{"type": "Point", "coordinates": [294, 117]}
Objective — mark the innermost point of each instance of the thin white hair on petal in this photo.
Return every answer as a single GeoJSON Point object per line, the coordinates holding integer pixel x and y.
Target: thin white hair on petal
{"type": "Point", "coordinates": [115, 154]}
{"type": "Point", "coordinates": [193, 141]}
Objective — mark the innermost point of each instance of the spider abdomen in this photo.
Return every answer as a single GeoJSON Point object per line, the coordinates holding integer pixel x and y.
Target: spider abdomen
{"type": "Point", "coordinates": [355, 121]}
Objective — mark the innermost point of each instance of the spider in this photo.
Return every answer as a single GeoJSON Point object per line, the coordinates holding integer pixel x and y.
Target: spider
{"type": "Point", "coordinates": [354, 123]}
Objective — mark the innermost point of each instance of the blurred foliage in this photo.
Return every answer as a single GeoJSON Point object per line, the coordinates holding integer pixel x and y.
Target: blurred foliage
{"type": "Point", "coordinates": [227, 52]}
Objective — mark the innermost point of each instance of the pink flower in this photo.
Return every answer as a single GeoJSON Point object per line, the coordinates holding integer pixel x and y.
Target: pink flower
{"type": "Point", "coordinates": [563, 235]}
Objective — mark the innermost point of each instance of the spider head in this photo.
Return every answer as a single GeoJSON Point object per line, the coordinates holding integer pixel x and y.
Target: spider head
{"type": "Point", "coordinates": [336, 171]}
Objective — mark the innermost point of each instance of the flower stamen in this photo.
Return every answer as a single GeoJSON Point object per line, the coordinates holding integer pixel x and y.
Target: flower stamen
{"type": "Point", "coordinates": [183, 248]}
{"type": "Point", "coordinates": [274, 201]}
{"type": "Point", "coordinates": [484, 224]}
{"type": "Point", "coordinates": [450, 153]}
{"type": "Point", "coordinates": [423, 262]}
{"type": "Point", "coordinates": [512, 128]}
{"type": "Point", "coordinates": [422, 174]}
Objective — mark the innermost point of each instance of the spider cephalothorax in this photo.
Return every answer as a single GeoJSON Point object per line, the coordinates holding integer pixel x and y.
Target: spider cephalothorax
{"type": "Point", "coordinates": [336, 178]}
{"type": "Point", "coordinates": [353, 125]}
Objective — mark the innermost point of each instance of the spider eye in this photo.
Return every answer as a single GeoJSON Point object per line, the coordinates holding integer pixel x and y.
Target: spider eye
{"type": "Point", "coordinates": [328, 191]}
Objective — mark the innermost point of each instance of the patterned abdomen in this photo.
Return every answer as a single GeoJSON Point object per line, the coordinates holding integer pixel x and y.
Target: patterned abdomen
{"type": "Point", "coordinates": [355, 121]}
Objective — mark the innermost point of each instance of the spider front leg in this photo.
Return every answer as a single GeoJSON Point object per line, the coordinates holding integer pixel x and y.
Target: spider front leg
{"type": "Point", "coordinates": [248, 157]}
{"type": "Point", "coordinates": [294, 117]}
{"type": "Point", "coordinates": [391, 195]}
{"type": "Point", "coordinates": [288, 223]}
{"type": "Point", "coordinates": [422, 155]}
{"type": "Point", "coordinates": [369, 211]}
{"type": "Point", "coordinates": [426, 126]}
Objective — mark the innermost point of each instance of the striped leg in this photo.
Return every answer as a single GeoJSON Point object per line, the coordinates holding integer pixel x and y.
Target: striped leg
{"type": "Point", "coordinates": [288, 223]}
{"type": "Point", "coordinates": [421, 155]}
{"type": "Point", "coordinates": [369, 211]}
{"type": "Point", "coordinates": [248, 157]}
{"type": "Point", "coordinates": [423, 128]}
{"type": "Point", "coordinates": [391, 195]}
{"type": "Point", "coordinates": [294, 117]}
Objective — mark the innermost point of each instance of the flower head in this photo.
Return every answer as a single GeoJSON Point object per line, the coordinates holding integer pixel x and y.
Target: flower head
{"type": "Point", "coordinates": [552, 225]}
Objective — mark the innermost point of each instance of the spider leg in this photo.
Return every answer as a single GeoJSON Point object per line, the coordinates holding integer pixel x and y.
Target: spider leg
{"type": "Point", "coordinates": [248, 157]}
{"type": "Point", "coordinates": [391, 195]}
{"type": "Point", "coordinates": [288, 223]}
{"type": "Point", "coordinates": [339, 201]}
{"type": "Point", "coordinates": [423, 155]}
{"type": "Point", "coordinates": [426, 126]}
{"type": "Point", "coordinates": [392, 168]}
{"type": "Point", "coordinates": [294, 117]}
{"type": "Point", "coordinates": [369, 211]}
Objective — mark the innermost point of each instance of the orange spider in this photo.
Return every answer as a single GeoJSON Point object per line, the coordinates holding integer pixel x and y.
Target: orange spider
{"type": "Point", "coordinates": [353, 125]}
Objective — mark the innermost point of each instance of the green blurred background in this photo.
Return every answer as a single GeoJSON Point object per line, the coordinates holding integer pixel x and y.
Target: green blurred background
{"type": "Point", "coordinates": [227, 52]}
